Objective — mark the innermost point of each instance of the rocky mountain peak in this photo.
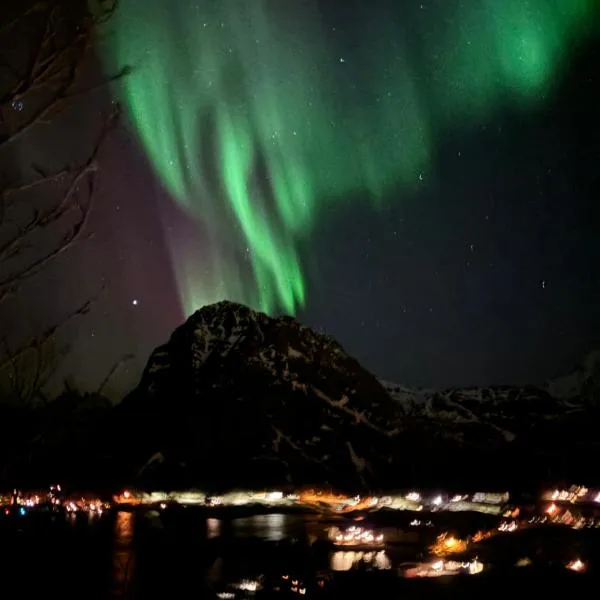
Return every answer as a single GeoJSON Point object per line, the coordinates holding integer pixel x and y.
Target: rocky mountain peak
{"type": "Point", "coordinates": [227, 331]}
{"type": "Point", "coordinates": [583, 381]}
{"type": "Point", "coordinates": [265, 394]}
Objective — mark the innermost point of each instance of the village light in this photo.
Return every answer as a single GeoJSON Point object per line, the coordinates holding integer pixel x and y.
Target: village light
{"type": "Point", "coordinates": [576, 565]}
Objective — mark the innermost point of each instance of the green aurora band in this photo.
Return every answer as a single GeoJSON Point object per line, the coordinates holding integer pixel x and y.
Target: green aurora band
{"type": "Point", "coordinates": [257, 114]}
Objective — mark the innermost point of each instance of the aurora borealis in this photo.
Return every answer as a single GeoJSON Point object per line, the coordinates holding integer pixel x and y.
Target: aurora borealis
{"type": "Point", "coordinates": [259, 115]}
{"type": "Point", "coordinates": [418, 179]}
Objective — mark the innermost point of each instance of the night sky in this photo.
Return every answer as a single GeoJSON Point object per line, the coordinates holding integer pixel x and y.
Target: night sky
{"type": "Point", "coordinates": [418, 179]}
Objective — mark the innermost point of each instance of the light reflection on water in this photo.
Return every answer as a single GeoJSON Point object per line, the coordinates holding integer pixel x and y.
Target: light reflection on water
{"type": "Point", "coordinates": [235, 548]}
{"type": "Point", "coordinates": [213, 528]}
{"type": "Point", "coordinates": [272, 527]}
{"type": "Point", "coordinates": [278, 527]}
{"type": "Point", "coordinates": [347, 560]}
{"type": "Point", "coordinates": [163, 553]}
{"type": "Point", "coordinates": [123, 557]}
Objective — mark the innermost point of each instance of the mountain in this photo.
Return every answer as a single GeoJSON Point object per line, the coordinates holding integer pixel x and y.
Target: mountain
{"type": "Point", "coordinates": [237, 398]}
{"type": "Point", "coordinates": [520, 432]}
{"type": "Point", "coordinates": [502, 413]}
{"type": "Point", "coordinates": [583, 384]}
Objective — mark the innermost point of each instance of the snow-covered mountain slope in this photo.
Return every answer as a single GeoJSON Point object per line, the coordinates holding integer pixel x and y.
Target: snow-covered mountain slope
{"type": "Point", "coordinates": [237, 398]}
{"type": "Point", "coordinates": [550, 429]}
{"type": "Point", "coordinates": [509, 411]}
{"type": "Point", "coordinates": [583, 384]}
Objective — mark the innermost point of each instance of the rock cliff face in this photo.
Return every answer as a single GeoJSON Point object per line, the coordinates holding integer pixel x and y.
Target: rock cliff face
{"type": "Point", "coordinates": [238, 398]}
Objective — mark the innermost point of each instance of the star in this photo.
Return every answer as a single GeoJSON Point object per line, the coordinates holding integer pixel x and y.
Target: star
{"type": "Point", "coordinates": [134, 302]}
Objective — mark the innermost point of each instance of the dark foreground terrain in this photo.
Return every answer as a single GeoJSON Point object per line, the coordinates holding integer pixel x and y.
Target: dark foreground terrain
{"type": "Point", "coordinates": [194, 553]}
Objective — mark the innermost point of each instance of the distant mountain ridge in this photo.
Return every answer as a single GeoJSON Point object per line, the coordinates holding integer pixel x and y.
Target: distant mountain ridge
{"type": "Point", "coordinates": [506, 411]}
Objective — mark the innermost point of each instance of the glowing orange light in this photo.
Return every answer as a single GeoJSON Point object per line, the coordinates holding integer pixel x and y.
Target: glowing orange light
{"type": "Point", "coordinates": [450, 542]}
{"type": "Point", "coordinates": [576, 565]}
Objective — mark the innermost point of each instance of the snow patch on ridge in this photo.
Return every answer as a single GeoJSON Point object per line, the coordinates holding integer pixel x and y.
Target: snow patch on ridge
{"type": "Point", "coordinates": [359, 463]}
{"type": "Point", "coordinates": [293, 353]}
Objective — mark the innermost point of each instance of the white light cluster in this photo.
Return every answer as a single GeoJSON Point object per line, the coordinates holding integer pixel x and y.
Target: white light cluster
{"type": "Point", "coordinates": [576, 493]}
{"type": "Point", "coordinates": [356, 536]}
{"type": "Point", "coordinates": [441, 568]}
{"type": "Point", "coordinates": [509, 526]}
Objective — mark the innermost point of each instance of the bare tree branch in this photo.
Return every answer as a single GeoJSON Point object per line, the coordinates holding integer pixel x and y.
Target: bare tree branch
{"type": "Point", "coordinates": [37, 7]}
{"type": "Point", "coordinates": [31, 371]}
{"type": "Point", "coordinates": [44, 216]}
{"type": "Point", "coordinates": [70, 200]}
{"type": "Point", "coordinates": [48, 334]}
{"type": "Point", "coordinates": [57, 177]}
{"type": "Point", "coordinates": [57, 69]}
{"type": "Point", "coordinates": [120, 363]}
